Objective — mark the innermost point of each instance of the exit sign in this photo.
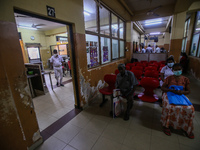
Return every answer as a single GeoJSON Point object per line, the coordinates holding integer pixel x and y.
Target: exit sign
{"type": "Point", "coordinates": [51, 11]}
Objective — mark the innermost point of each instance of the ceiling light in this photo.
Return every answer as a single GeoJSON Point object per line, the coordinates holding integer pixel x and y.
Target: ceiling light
{"type": "Point", "coordinates": [25, 27]}
{"type": "Point", "coordinates": [198, 29]}
{"type": "Point", "coordinates": [154, 33]}
{"type": "Point", "coordinates": [86, 13]}
{"type": "Point", "coordinates": [147, 24]}
{"type": "Point", "coordinates": [153, 20]}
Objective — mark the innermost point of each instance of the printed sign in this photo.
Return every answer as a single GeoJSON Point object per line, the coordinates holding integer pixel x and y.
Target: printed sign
{"type": "Point", "coordinates": [51, 11]}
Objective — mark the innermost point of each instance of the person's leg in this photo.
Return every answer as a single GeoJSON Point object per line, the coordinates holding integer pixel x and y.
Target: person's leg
{"type": "Point", "coordinates": [61, 75]}
{"type": "Point", "coordinates": [129, 98]}
{"type": "Point", "coordinates": [56, 75]}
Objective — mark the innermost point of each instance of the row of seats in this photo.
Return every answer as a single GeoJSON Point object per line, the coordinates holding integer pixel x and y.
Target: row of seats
{"type": "Point", "coordinates": [147, 74]}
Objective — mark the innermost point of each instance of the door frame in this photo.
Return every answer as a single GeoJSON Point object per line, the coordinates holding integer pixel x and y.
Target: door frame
{"type": "Point", "coordinates": [75, 78]}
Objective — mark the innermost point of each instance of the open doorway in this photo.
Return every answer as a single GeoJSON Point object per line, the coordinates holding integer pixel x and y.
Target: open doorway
{"type": "Point", "coordinates": [38, 38]}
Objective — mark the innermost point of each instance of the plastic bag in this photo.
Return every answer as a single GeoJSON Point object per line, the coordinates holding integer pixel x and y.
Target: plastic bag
{"type": "Point", "coordinates": [177, 99]}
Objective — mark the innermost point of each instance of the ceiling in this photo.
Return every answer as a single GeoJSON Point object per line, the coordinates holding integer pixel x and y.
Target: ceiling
{"type": "Point", "coordinates": [29, 22]}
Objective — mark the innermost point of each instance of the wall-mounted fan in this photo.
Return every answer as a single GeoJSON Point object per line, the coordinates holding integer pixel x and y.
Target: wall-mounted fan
{"type": "Point", "coordinates": [151, 12]}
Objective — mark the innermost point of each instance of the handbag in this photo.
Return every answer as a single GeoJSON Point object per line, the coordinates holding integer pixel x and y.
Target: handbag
{"type": "Point", "coordinates": [177, 99]}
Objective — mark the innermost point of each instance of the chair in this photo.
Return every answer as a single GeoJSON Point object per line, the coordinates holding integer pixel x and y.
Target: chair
{"type": "Point", "coordinates": [116, 71]}
{"type": "Point", "coordinates": [149, 84]}
{"type": "Point", "coordinates": [150, 68]}
{"type": "Point", "coordinates": [144, 61]}
{"type": "Point", "coordinates": [128, 68]}
{"type": "Point", "coordinates": [137, 68]}
{"type": "Point", "coordinates": [110, 80]}
{"type": "Point", "coordinates": [138, 75]}
{"type": "Point", "coordinates": [153, 61]}
{"type": "Point", "coordinates": [151, 73]}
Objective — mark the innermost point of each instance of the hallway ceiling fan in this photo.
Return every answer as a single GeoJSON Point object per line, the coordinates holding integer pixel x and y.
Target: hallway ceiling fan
{"type": "Point", "coordinates": [37, 25]}
{"type": "Point", "coordinates": [151, 12]}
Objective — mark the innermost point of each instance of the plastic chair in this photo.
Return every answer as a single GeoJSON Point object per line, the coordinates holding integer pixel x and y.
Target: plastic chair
{"type": "Point", "coordinates": [153, 61]}
{"type": "Point", "coordinates": [116, 71]}
{"type": "Point", "coordinates": [128, 68]}
{"type": "Point", "coordinates": [137, 73]}
{"type": "Point", "coordinates": [151, 73]}
{"type": "Point", "coordinates": [110, 80]}
{"type": "Point", "coordinates": [137, 68]}
{"type": "Point", "coordinates": [150, 68]}
{"type": "Point", "coordinates": [149, 84]}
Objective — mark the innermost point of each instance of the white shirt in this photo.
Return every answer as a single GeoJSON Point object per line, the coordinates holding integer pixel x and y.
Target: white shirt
{"type": "Point", "coordinates": [149, 50]}
{"type": "Point", "coordinates": [157, 50]}
{"type": "Point", "coordinates": [167, 71]}
{"type": "Point", "coordinates": [57, 61]}
{"type": "Point", "coordinates": [143, 50]}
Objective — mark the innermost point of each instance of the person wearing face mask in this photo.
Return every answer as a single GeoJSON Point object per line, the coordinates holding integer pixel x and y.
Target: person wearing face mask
{"type": "Point", "coordinates": [56, 60]}
{"type": "Point", "coordinates": [177, 116]}
{"type": "Point", "coordinates": [166, 70]}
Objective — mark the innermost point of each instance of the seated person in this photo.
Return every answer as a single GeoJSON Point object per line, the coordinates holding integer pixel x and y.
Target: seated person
{"type": "Point", "coordinates": [177, 116]}
{"type": "Point", "coordinates": [126, 82]}
{"type": "Point", "coordinates": [166, 70]}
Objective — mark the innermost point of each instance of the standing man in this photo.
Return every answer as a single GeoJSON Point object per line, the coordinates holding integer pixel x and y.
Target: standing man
{"type": "Point", "coordinates": [126, 82]}
{"type": "Point", "coordinates": [56, 60]}
{"type": "Point", "coordinates": [149, 49]}
{"type": "Point", "coordinates": [157, 49]}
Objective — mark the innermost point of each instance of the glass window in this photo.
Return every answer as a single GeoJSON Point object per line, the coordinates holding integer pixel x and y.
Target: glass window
{"type": "Point", "coordinates": [115, 52]}
{"type": "Point", "coordinates": [121, 48]}
{"type": "Point", "coordinates": [198, 55]}
{"type": "Point", "coordinates": [92, 48]}
{"type": "Point", "coordinates": [185, 29]}
{"type": "Point", "coordinates": [105, 50]}
{"type": "Point", "coordinates": [33, 53]}
{"type": "Point", "coordinates": [197, 25]}
{"type": "Point", "coordinates": [188, 24]}
{"type": "Point", "coordinates": [183, 44]}
{"type": "Point", "coordinates": [90, 15]}
{"type": "Point", "coordinates": [104, 21]}
{"type": "Point", "coordinates": [121, 29]}
{"type": "Point", "coordinates": [194, 45]}
{"type": "Point", "coordinates": [114, 26]}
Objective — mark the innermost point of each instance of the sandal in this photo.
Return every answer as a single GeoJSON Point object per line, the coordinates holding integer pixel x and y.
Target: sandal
{"type": "Point", "coordinates": [167, 131]}
{"type": "Point", "coordinates": [191, 135]}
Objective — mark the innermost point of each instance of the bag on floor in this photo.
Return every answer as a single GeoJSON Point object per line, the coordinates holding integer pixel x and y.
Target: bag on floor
{"type": "Point", "coordinates": [117, 108]}
{"type": "Point", "coordinates": [177, 99]}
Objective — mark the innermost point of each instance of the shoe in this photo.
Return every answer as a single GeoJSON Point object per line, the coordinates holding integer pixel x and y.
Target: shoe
{"type": "Point", "coordinates": [61, 84]}
{"type": "Point", "coordinates": [126, 117]}
{"type": "Point", "coordinates": [167, 131]}
{"type": "Point", "coordinates": [191, 135]}
{"type": "Point", "coordinates": [57, 84]}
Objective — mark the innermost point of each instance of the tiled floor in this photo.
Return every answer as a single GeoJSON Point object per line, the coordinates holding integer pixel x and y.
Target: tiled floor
{"type": "Point", "coordinates": [94, 129]}
{"type": "Point", "coordinates": [54, 104]}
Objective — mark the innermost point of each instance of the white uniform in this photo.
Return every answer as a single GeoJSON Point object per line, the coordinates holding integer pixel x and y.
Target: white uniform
{"type": "Point", "coordinates": [57, 66]}
{"type": "Point", "coordinates": [143, 50]}
{"type": "Point", "coordinates": [149, 50]}
{"type": "Point", "coordinates": [167, 72]}
{"type": "Point", "coordinates": [157, 50]}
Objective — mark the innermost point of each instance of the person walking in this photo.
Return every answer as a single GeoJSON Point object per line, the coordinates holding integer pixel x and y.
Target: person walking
{"type": "Point", "coordinates": [56, 61]}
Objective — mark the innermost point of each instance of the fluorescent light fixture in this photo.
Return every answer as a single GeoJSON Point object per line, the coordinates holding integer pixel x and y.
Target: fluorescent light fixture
{"type": "Point", "coordinates": [86, 13]}
{"type": "Point", "coordinates": [154, 33]}
{"type": "Point", "coordinates": [153, 20]}
{"type": "Point", "coordinates": [25, 27]}
{"type": "Point", "coordinates": [197, 29]}
{"type": "Point", "coordinates": [147, 24]}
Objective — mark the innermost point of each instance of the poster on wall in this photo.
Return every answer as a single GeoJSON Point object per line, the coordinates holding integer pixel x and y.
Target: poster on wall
{"type": "Point", "coordinates": [105, 53]}
{"type": "Point", "coordinates": [93, 56]}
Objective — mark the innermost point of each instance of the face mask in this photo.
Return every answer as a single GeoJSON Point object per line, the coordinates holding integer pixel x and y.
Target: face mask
{"type": "Point", "coordinates": [177, 73]}
{"type": "Point", "coordinates": [170, 64]}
